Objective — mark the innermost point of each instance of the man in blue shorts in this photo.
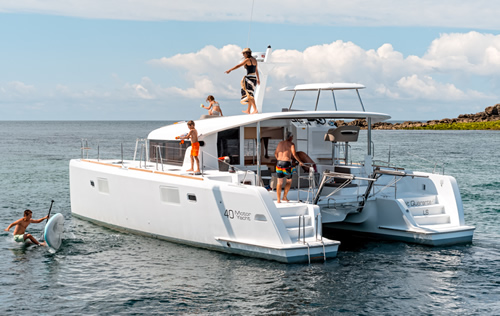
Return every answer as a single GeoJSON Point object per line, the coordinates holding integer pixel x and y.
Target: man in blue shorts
{"type": "Point", "coordinates": [283, 154]}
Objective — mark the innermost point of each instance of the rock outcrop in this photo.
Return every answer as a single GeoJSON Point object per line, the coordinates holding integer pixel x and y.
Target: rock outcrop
{"type": "Point", "coordinates": [491, 113]}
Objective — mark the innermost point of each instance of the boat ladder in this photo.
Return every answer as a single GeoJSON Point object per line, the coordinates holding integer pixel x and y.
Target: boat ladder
{"type": "Point", "coordinates": [302, 226]}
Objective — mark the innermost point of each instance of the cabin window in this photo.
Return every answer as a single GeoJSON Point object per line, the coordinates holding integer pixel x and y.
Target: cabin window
{"type": "Point", "coordinates": [168, 151]}
{"type": "Point", "coordinates": [228, 144]}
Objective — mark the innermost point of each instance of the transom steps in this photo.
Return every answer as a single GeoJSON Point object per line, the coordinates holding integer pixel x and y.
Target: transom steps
{"type": "Point", "coordinates": [432, 219]}
{"type": "Point", "coordinates": [294, 233]}
{"type": "Point", "coordinates": [293, 221]}
{"type": "Point", "coordinates": [426, 211]}
{"type": "Point", "coordinates": [297, 221]}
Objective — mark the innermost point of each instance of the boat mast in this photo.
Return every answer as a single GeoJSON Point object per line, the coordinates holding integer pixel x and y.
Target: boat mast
{"type": "Point", "coordinates": [264, 68]}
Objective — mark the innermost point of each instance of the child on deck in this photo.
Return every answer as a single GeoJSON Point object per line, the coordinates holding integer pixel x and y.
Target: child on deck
{"type": "Point", "coordinates": [195, 145]}
{"type": "Point", "coordinates": [213, 107]}
{"type": "Point", "coordinates": [21, 224]}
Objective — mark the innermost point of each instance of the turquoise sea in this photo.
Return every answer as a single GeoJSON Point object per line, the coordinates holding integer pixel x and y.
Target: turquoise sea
{"type": "Point", "coordinates": [98, 271]}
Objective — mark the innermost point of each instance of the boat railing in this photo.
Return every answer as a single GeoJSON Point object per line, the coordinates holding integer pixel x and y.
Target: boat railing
{"type": "Point", "coordinates": [348, 179]}
{"type": "Point", "coordinates": [310, 176]}
{"type": "Point", "coordinates": [436, 164]}
{"type": "Point", "coordinates": [85, 148]}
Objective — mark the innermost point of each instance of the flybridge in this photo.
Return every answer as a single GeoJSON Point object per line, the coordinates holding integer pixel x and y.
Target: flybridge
{"type": "Point", "coordinates": [325, 87]}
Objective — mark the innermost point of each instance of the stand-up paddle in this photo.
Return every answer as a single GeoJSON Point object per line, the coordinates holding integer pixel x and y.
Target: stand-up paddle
{"type": "Point", "coordinates": [48, 216]}
{"type": "Point", "coordinates": [54, 230]}
{"type": "Point", "coordinates": [50, 209]}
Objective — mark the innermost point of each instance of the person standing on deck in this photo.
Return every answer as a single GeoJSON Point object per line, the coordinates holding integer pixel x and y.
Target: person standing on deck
{"type": "Point", "coordinates": [250, 81]}
{"type": "Point", "coordinates": [195, 146]}
{"type": "Point", "coordinates": [283, 154]}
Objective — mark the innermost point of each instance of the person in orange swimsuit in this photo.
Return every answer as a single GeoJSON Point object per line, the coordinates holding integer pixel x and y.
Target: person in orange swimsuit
{"type": "Point", "coordinates": [195, 146]}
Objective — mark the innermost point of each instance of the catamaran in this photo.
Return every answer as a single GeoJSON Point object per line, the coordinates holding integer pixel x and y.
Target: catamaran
{"type": "Point", "coordinates": [231, 206]}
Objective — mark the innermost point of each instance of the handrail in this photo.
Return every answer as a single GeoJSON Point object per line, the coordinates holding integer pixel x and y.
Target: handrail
{"type": "Point", "coordinates": [310, 177]}
{"type": "Point", "coordinates": [298, 237]}
{"type": "Point", "coordinates": [85, 147]}
{"type": "Point", "coordinates": [348, 177]}
{"type": "Point", "coordinates": [436, 163]}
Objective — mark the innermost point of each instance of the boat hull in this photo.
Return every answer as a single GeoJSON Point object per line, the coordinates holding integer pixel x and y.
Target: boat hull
{"type": "Point", "coordinates": [196, 211]}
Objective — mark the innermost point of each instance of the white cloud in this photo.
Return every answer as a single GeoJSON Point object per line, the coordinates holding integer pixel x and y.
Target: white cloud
{"type": "Point", "coordinates": [472, 52]}
{"type": "Point", "coordinates": [15, 89]}
{"type": "Point", "coordinates": [444, 13]}
{"type": "Point", "coordinates": [441, 76]}
{"type": "Point", "coordinates": [427, 88]}
{"type": "Point", "coordinates": [386, 72]}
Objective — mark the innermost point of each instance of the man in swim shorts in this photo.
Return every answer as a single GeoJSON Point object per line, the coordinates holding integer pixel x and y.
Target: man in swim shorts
{"type": "Point", "coordinates": [21, 224]}
{"type": "Point", "coordinates": [283, 154]}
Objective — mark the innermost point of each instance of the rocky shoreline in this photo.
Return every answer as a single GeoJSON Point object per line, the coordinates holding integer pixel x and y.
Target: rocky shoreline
{"type": "Point", "coordinates": [491, 113]}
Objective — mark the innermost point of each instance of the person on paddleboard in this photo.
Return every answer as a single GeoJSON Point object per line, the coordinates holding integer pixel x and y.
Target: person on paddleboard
{"type": "Point", "coordinates": [21, 224]}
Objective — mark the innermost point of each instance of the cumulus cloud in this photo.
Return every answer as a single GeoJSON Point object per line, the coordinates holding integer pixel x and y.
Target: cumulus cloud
{"type": "Point", "coordinates": [16, 89]}
{"type": "Point", "coordinates": [472, 52]}
{"type": "Point", "coordinates": [387, 72]}
{"type": "Point", "coordinates": [441, 76]}
{"type": "Point", "coordinates": [443, 13]}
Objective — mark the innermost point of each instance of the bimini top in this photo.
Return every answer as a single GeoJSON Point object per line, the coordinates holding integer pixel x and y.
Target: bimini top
{"type": "Point", "coordinates": [214, 125]}
{"type": "Point", "coordinates": [324, 86]}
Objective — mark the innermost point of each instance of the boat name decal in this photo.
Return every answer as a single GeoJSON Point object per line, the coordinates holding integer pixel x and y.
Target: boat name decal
{"type": "Point", "coordinates": [418, 203]}
{"type": "Point", "coordinates": [242, 216]}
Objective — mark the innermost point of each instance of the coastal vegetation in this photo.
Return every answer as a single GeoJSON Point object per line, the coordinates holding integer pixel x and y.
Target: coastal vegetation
{"type": "Point", "coordinates": [489, 119]}
{"type": "Point", "coordinates": [491, 125]}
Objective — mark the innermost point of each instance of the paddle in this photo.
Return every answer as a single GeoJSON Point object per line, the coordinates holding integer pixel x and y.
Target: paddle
{"type": "Point", "coordinates": [50, 209]}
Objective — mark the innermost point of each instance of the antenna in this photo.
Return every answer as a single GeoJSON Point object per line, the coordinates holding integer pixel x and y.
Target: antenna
{"type": "Point", "coordinates": [250, 26]}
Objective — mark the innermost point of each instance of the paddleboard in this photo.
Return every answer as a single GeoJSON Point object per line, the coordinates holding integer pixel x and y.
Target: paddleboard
{"type": "Point", "coordinates": [54, 231]}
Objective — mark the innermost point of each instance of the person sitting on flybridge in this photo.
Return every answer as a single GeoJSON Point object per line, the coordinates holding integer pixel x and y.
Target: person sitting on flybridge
{"type": "Point", "coordinates": [283, 154]}
{"type": "Point", "coordinates": [213, 106]}
{"type": "Point", "coordinates": [21, 224]}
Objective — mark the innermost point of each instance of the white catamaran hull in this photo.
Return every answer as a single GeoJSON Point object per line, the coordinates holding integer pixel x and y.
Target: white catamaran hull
{"type": "Point", "coordinates": [425, 210]}
{"type": "Point", "coordinates": [220, 215]}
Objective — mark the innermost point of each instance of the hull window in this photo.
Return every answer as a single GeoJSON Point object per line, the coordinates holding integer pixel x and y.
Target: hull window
{"type": "Point", "coordinates": [191, 197]}
{"type": "Point", "coordinates": [170, 195]}
{"type": "Point", "coordinates": [102, 185]}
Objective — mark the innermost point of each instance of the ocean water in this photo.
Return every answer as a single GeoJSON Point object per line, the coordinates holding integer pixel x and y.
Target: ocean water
{"type": "Point", "coordinates": [98, 271]}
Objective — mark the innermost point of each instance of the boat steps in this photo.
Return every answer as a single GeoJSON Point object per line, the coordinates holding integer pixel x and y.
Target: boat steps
{"type": "Point", "coordinates": [291, 209]}
{"type": "Point", "coordinates": [294, 233]}
{"type": "Point", "coordinates": [293, 221]}
{"type": "Point", "coordinates": [443, 228]}
{"type": "Point", "coordinates": [427, 220]}
{"type": "Point", "coordinates": [419, 200]}
{"type": "Point", "coordinates": [434, 209]}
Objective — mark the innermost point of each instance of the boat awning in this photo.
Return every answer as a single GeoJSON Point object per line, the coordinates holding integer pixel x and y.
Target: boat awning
{"type": "Point", "coordinates": [324, 86]}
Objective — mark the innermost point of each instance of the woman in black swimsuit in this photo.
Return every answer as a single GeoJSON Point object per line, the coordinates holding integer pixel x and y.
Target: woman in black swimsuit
{"type": "Point", "coordinates": [250, 81]}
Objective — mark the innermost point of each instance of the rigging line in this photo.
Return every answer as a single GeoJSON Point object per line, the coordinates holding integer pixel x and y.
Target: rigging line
{"type": "Point", "coordinates": [250, 26]}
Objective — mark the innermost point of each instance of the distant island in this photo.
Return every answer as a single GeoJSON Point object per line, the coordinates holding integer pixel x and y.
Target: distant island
{"type": "Point", "coordinates": [489, 119]}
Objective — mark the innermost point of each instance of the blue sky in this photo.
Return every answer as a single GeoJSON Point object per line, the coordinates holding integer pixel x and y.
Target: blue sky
{"type": "Point", "coordinates": [158, 60]}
